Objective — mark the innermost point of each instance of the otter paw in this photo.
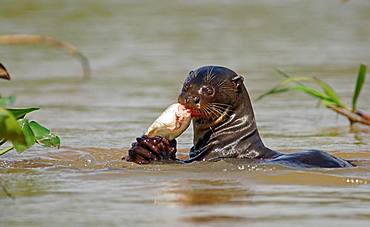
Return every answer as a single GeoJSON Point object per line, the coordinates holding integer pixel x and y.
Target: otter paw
{"type": "Point", "coordinates": [148, 149]}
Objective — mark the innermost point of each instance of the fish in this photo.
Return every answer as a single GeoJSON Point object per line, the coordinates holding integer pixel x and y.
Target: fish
{"type": "Point", "coordinates": [171, 123]}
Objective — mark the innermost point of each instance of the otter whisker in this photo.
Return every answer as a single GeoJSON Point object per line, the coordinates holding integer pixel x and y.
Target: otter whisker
{"type": "Point", "coordinates": [220, 104]}
{"type": "Point", "coordinates": [207, 112]}
{"type": "Point", "coordinates": [211, 113]}
{"type": "Point", "coordinates": [193, 74]}
{"type": "Point", "coordinates": [213, 76]}
{"type": "Point", "coordinates": [215, 114]}
{"type": "Point", "coordinates": [209, 75]}
{"type": "Point", "coordinates": [220, 83]}
{"type": "Point", "coordinates": [217, 111]}
{"type": "Point", "coordinates": [202, 111]}
{"type": "Point", "coordinates": [221, 109]}
{"type": "Point", "coordinates": [226, 110]}
{"type": "Point", "coordinates": [226, 86]}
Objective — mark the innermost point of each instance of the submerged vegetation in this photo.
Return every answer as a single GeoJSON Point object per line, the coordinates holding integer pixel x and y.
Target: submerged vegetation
{"type": "Point", "coordinates": [325, 94]}
{"type": "Point", "coordinates": [17, 129]}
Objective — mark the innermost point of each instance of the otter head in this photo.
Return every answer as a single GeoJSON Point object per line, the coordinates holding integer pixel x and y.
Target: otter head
{"type": "Point", "coordinates": [211, 93]}
{"type": "Point", "coordinates": [223, 118]}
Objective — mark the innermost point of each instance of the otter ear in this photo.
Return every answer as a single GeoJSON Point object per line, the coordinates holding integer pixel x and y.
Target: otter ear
{"type": "Point", "coordinates": [238, 81]}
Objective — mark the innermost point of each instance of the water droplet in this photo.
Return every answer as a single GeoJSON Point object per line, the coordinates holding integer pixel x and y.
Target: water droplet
{"type": "Point", "coordinates": [86, 160]}
{"type": "Point", "coordinates": [241, 167]}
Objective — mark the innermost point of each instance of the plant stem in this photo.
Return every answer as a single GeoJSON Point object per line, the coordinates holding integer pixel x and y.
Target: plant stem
{"type": "Point", "coordinates": [6, 150]}
{"type": "Point", "coordinates": [2, 142]}
{"type": "Point", "coordinates": [352, 117]}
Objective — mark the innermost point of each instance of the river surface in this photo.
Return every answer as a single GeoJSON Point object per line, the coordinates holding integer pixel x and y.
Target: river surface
{"type": "Point", "coordinates": [140, 53]}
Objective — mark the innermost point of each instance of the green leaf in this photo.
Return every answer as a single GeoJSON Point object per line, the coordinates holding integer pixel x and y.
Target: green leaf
{"type": "Point", "coordinates": [324, 99]}
{"type": "Point", "coordinates": [50, 140]}
{"type": "Point", "coordinates": [283, 86]}
{"type": "Point", "coordinates": [273, 91]}
{"type": "Point", "coordinates": [296, 79]}
{"type": "Point", "coordinates": [312, 91]}
{"type": "Point", "coordinates": [284, 74]}
{"type": "Point", "coordinates": [329, 91]}
{"type": "Point", "coordinates": [38, 130]}
{"type": "Point", "coordinates": [44, 136]}
{"type": "Point", "coordinates": [21, 113]}
{"type": "Point", "coordinates": [29, 137]}
{"type": "Point", "coordinates": [10, 128]}
{"type": "Point", "coordinates": [328, 103]}
{"type": "Point", "coordinates": [359, 83]}
{"type": "Point", "coordinates": [7, 101]}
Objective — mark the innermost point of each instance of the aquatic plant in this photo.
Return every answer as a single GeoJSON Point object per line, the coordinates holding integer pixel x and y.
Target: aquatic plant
{"type": "Point", "coordinates": [326, 95]}
{"type": "Point", "coordinates": [17, 129]}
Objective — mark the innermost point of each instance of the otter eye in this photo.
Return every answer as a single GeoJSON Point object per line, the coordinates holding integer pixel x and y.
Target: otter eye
{"type": "Point", "coordinates": [207, 91]}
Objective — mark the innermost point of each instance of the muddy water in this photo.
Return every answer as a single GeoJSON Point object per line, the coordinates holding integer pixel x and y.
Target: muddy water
{"type": "Point", "coordinates": [140, 53]}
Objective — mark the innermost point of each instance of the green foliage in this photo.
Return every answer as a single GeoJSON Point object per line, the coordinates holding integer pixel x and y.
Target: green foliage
{"type": "Point", "coordinates": [359, 83]}
{"type": "Point", "coordinates": [29, 137]}
{"type": "Point", "coordinates": [21, 132]}
{"type": "Point", "coordinates": [21, 113]}
{"type": "Point", "coordinates": [43, 135]}
{"type": "Point", "coordinates": [17, 129]}
{"type": "Point", "coordinates": [326, 95]}
{"type": "Point", "coordinates": [10, 128]}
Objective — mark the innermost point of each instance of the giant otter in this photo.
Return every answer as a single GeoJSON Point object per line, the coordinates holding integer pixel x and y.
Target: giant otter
{"type": "Point", "coordinates": [224, 126]}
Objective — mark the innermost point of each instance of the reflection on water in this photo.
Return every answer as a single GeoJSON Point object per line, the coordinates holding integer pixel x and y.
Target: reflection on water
{"type": "Point", "coordinates": [206, 192]}
{"type": "Point", "coordinates": [24, 185]}
{"type": "Point", "coordinates": [213, 218]}
{"type": "Point", "coordinates": [232, 191]}
{"type": "Point", "coordinates": [140, 52]}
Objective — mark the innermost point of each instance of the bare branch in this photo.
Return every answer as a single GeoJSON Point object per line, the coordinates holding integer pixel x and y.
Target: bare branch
{"type": "Point", "coordinates": [352, 117]}
{"type": "Point", "coordinates": [38, 39]}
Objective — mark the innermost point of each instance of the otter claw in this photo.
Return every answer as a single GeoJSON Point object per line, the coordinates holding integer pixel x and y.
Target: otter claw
{"type": "Point", "coordinates": [147, 149]}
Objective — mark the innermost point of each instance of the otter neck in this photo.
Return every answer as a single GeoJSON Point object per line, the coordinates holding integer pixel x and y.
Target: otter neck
{"type": "Point", "coordinates": [235, 137]}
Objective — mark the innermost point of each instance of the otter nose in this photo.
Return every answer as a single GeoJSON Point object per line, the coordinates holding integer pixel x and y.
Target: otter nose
{"type": "Point", "coordinates": [188, 99]}
{"type": "Point", "coordinates": [192, 99]}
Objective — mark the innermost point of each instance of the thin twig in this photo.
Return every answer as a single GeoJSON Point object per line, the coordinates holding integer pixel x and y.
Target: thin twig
{"type": "Point", "coordinates": [4, 73]}
{"type": "Point", "coordinates": [39, 39]}
{"type": "Point", "coordinates": [352, 117]}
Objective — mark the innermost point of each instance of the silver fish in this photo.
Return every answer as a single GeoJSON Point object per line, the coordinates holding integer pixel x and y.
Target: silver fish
{"type": "Point", "coordinates": [171, 123]}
